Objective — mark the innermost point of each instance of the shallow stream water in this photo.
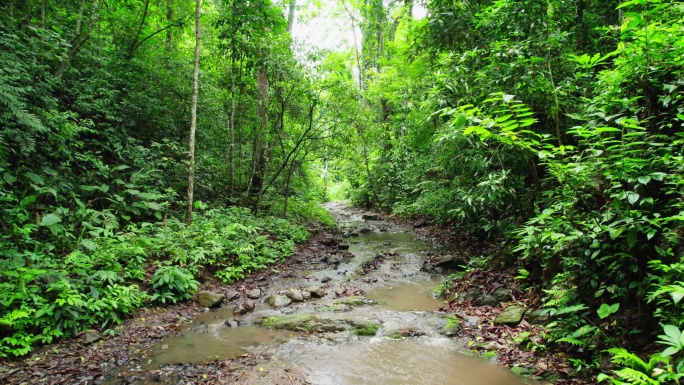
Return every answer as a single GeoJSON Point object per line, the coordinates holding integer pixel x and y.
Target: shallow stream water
{"type": "Point", "coordinates": [405, 303]}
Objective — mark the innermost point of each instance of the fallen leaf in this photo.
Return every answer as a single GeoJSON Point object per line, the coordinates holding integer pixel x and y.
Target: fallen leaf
{"type": "Point", "coordinates": [165, 346]}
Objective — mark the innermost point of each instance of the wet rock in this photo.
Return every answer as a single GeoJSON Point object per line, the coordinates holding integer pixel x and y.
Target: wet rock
{"type": "Point", "coordinates": [347, 255]}
{"type": "Point", "coordinates": [343, 246]}
{"type": "Point", "coordinates": [537, 317]}
{"type": "Point", "coordinates": [254, 293]}
{"type": "Point", "coordinates": [511, 316]}
{"type": "Point", "coordinates": [239, 309]}
{"type": "Point", "coordinates": [210, 299]}
{"type": "Point", "coordinates": [326, 279]}
{"type": "Point", "coordinates": [451, 262]}
{"type": "Point", "coordinates": [396, 334]}
{"type": "Point", "coordinates": [90, 337]}
{"type": "Point", "coordinates": [486, 300]}
{"type": "Point", "coordinates": [231, 295]}
{"type": "Point", "coordinates": [279, 300]}
{"type": "Point", "coordinates": [329, 240]}
{"type": "Point", "coordinates": [470, 320]}
{"type": "Point", "coordinates": [340, 291]}
{"type": "Point", "coordinates": [306, 295]}
{"type": "Point", "coordinates": [305, 323]}
{"type": "Point", "coordinates": [420, 224]}
{"type": "Point", "coordinates": [370, 217]}
{"type": "Point", "coordinates": [493, 345]}
{"type": "Point", "coordinates": [365, 230]}
{"type": "Point", "coordinates": [355, 300]}
{"type": "Point", "coordinates": [502, 295]}
{"type": "Point", "coordinates": [316, 291]}
{"type": "Point", "coordinates": [295, 295]}
{"type": "Point", "coordinates": [438, 270]}
{"type": "Point", "coordinates": [232, 323]}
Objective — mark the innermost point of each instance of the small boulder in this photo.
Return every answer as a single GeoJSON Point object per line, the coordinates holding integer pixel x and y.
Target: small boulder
{"type": "Point", "coordinates": [511, 316]}
{"type": "Point", "coordinates": [295, 295]}
{"type": "Point", "coordinates": [329, 240]}
{"type": "Point", "coordinates": [420, 224]}
{"type": "Point", "coordinates": [451, 262]}
{"type": "Point", "coordinates": [502, 294]}
{"type": "Point", "coordinates": [370, 217]}
{"type": "Point", "coordinates": [316, 291]}
{"type": "Point", "coordinates": [231, 295]}
{"type": "Point", "coordinates": [90, 337]}
{"type": "Point", "coordinates": [343, 246]}
{"type": "Point", "coordinates": [486, 300]}
{"type": "Point", "coordinates": [279, 300]}
{"type": "Point", "coordinates": [537, 317]}
{"type": "Point", "coordinates": [210, 299]}
{"type": "Point", "coordinates": [254, 293]}
{"type": "Point", "coordinates": [232, 323]}
{"type": "Point", "coordinates": [364, 230]}
{"type": "Point", "coordinates": [244, 307]}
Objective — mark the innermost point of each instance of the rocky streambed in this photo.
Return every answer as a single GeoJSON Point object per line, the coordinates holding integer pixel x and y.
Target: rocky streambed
{"type": "Point", "coordinates": [352, 307]}
{"type": "Point", "coordinates": [359, 310]}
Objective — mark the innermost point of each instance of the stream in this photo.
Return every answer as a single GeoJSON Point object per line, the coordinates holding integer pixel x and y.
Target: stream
{"type": "Point", "coordinates": [387, 289]}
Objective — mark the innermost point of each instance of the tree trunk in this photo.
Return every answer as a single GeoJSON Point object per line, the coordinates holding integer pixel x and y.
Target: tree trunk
{"type": "Point", "coordinates": [43, 14]}
{"type": "Point", "coordinates": [356, 45]}
{"type": "Point", "coordinates": [193, 116]}
{"type": "Point", "coordinates": [231, 129]}
{"type": "Point", "coordinates": [169, 19]}
{"type": "Point", "coordinates": [287, 188]}
{"type": "Point", "coordinates": [260, 156]}
{"type": "Point", "coordinates": [136, 37]}
{"type": "Point", "coordinates": [77, 41]}
{"type": "Point", "coordinates": [291, 15]}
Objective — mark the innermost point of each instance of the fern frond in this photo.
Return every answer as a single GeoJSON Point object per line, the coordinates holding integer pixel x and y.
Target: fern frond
{"type": "Point", "coordinates": [626, 358]}
{"type": "Point", "coordinates": [636, 377]}
{"type": "Point", "coordinates": [572, 341]}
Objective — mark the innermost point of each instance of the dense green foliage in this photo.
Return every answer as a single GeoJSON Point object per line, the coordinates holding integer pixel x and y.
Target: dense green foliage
{"type": "Point", "coordinates": [94, 118]}
{"type": "Point", "coordinates": [555, 127]}
{"type": "Point", "coordinates": [552, 126]}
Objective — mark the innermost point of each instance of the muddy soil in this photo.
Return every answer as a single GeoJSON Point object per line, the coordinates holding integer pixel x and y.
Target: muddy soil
{"type": "Point", "coordinates": [370, 272]}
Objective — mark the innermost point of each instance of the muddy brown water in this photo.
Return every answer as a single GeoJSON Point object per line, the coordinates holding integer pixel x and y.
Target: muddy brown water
{"type": "Point", "coordinates": [344, 358]}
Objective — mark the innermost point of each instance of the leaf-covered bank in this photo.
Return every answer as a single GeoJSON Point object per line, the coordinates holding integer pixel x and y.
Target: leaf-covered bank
{"type": "Point", "coordinates": [51, 296]}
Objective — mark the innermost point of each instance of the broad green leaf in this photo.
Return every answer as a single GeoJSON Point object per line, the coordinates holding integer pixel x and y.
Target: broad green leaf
{"type": "Point", "coordinates": [632, 197]}
{"type": "Point", "coordinates": [9, 178]}
{"type": "Point", "coordinates": [605, 310]}
{"type": "Point", "coordinates": [644, 179]}
{"type": "Point", "coordinates": [50, 219]}
{"type": "Point", "coordinates": [35, 178]}
{"type": "Point", "coordinates": [89, 244]}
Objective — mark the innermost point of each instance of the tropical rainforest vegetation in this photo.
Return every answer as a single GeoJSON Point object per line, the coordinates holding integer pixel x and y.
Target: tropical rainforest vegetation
{"type": "Point", "coordinates": [553, 127]}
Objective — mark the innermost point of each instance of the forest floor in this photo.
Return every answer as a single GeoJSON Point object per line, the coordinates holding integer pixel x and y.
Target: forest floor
{"type": "Point", "coordinates": [93, 358]}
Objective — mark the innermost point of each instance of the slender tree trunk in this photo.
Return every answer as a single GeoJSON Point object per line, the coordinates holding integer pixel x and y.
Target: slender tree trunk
{"type": "Point", "coordinates": [356, 45]}
{"type": "Point", "coordinates": [231, 128]}
{"type": "Point", "coordinates": [169, 19]}
{"type": "Point", "coordinates": [287, 188]}
{"type": "Point", "coordinates": [136, 37]}
{"type": "Point", "coordinates": [260, 159]}
{"type": "Point", "coordinates": [291, 15]}
{"type": "Point", "coordinates": [11, 10]}
{"type": "Point", "coordinates": [193, 116]}
{"type": "Point", "coordinates": [78, 40]}
{"type": "Point", "coordinates": [43, 14]}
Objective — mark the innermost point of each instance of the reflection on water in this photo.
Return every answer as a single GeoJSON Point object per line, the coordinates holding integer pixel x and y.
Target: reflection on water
{"type": "Point", "coordinates": [407, 296]}
{"type": "Point", "coordinates": [407, 362]}
{"type": "Point", "coordinates": [199, 345]}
